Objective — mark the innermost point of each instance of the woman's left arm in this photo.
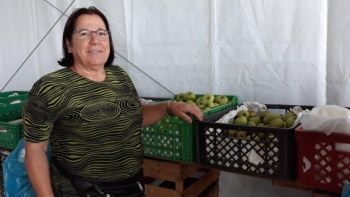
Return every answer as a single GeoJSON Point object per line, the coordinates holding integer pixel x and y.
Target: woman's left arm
{"type": "Point", "coordinates": [154, 113]}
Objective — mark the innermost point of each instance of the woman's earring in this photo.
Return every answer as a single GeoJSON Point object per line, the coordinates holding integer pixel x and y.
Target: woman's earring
{"type": "Point", "coordinates": [69, 51]}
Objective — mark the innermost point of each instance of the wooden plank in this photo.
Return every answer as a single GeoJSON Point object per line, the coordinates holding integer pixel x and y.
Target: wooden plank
{"type": "Point", "coordinates": [161, 170]}
{"type": "Point", "coordinates": [214, 192]}
{"type": "Point", "coordinates": [188, 169]}
{"type": "Point", "coordinates": [201, 184]}
{"type": "Point", "coordinates": [153, 191]}
{"type": "Point", "coordinates": [291, 184]}
{"type": "Point", "coordinates": [179, 186]}
{"type": "Point", "coordinates": [166, 170]}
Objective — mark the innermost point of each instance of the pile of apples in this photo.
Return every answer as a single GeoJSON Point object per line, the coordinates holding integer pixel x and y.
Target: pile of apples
{"type": "Point", "coordinates": [264, 119]}
{"type": "Point", "coordinates": [205, 102]}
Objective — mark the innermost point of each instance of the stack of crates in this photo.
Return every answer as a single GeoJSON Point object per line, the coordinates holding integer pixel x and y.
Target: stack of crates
{"type": "Point", "coordinates": [11, 124]}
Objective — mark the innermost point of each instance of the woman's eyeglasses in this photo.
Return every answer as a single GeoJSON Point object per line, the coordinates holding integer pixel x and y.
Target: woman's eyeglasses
{"type": "Point", "coordinates": [85, 34]}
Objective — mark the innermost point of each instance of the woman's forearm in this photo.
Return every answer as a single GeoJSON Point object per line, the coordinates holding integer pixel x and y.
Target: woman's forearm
{"type": "Point", "coordinates": [37, 168]}
{"type": "Point", "coordinates": [153, 113]}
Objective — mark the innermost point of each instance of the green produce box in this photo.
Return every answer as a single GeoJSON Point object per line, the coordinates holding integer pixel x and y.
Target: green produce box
{"type": "Point", "coordinates": [172, 138]}
{"type": "Point", "coordinates": [11, 102]}
{"type": "Point", "coordinates": [11, 130]}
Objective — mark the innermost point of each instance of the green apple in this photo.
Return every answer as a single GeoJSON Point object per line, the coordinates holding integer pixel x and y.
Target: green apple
{"type": "Point", "coordinates": [261, 144]}
{"type": "Point", "coordinates": [290, 113]}
{"type": "Point", "coordinates": [261, 135]}
{"type": "Point", "coordinates": [180, 97]}
{"type": "Point", "coordinates": [161, 129]}
{"type": "Point", "coordinates": [243, 113]}
{"type": "Point", "coordinates": [199, 100]}
{"type": "Point", "coordinates": [251, 123]}
{"type": "Point", "coordinates": [206, 109]}
{"type": "Point", "coordinates": [255, 119]}
{"type": "Point", "coordinates": [270, 137]}
{"type": "Point", "coordinates": [221, 99]}
{"type": "Point", "coordinates": [276, 123]}
{"type": "Point", "coordinates": [241, 120]}
{"type": "Point", "coordinates": [201, 107]}
{"type": "Point", "coordinates": [285, 117]}
{"type": "Point", "coordinates": [290, 121]}
{"type": "Point", "coordinates": [209, 104]}
{"type": "Point", "coordinates": [191, 102]}
{"type": "Point", "coordinates": [190, 96]}
{"type": "Point", "coordinates": [270, 117]}
{"type": "Point", "coordinates": [232, 133]}
{"type": "Point", "coordinates": [216, 105]}
{"type": "Point", "coordinates": [256, 138]}
{"type": "Point", "coordinates": [263, 114]}
{"type": "Point", "coordinates": [208, 97]}
{"type": "Point", "coordinates": [200, 103]}
{"type": "Point", "coordinates": [260, 125]}
{"type": "Point", "coordinates": [241, 134]}
{"type": "Point", "coordinates": [252, 113]}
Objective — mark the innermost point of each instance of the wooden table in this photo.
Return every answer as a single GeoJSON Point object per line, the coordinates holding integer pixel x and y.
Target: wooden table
{"type": "Point", "coordinates": [178, 183]}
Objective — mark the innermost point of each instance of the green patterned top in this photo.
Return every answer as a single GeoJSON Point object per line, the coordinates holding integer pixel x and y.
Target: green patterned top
{"type": "Point", "coordinates": [94, 127]}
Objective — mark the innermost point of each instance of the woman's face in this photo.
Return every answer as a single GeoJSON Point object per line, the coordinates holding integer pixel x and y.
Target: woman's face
{"type": "Point", "coordinates": [89, 51]}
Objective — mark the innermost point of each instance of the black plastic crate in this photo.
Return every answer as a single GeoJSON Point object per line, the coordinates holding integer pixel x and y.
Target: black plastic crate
{"type": "Point", "coordinates": [278, 151]}
{"type": "Point", "coordinates": [3, 155]}
{"type": "Point", "coordinates": [2, 185]}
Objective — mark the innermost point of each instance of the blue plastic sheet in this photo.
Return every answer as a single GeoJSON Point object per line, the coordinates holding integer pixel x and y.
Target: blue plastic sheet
{"type": "Point", "coordinates": [16, 180]}
{"type": "Point", "coordinates": [346, 190]}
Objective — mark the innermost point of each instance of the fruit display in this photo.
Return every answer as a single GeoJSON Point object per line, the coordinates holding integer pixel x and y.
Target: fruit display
{"type": "Point", "coordinates": [265, 118]}
{"type": "Point", "coordinates": [205, 102]}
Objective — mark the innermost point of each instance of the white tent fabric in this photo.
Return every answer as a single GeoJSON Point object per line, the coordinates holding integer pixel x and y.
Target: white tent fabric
{"type": "Point", "coordinates": [287, 52]}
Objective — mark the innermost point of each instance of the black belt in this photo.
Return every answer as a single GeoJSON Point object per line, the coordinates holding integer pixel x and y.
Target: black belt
{"type": "Point", "coordinates": [130, 187]}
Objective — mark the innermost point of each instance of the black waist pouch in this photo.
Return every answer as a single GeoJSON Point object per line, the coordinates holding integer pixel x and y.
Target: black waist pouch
{"type": "Point", "coordinates": [131, 187]}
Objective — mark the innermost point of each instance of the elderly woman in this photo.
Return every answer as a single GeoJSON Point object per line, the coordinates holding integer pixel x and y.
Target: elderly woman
{"type": "Point", "coordinates": [92, 115]}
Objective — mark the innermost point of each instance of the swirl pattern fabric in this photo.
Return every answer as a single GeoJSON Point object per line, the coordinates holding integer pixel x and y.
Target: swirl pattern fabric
{"type": "Point", "coordinates": [94, 127]}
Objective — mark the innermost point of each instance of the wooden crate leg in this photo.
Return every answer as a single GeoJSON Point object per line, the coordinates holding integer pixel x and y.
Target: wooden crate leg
{"type": "Point", "coordinates": [179, 186]}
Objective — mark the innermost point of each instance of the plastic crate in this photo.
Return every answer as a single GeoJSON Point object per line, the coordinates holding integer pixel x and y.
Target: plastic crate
{"type": "Point", "coordinates": [3, 155]}
{"type": "Point", "coordinates": [13, 96]}
{"type": "Point", "coordinates": [2, 185]}
{"type": "Point", "coordinates": [10, 132]}
{"type": "Point", "coordinates": [320, 164]}
{"type": "Point", "coordinates": [156, 99]}
{"type": "Point", "coordinates": [12, 104]}
{"type": "Point", "coordinates": [219, 151]}
{"type": "Point", "coordinates": [173, 138]}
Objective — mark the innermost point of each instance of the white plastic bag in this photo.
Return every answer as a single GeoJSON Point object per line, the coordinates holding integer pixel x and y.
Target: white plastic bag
{"type": "Point", "coordinates": [327, 119]}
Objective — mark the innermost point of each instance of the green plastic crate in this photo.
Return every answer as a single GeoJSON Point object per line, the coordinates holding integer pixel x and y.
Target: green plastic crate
{"type": "Point", "coordinates": [13, 96]}
{"type": "Point", "coordinates": [172, 138]}
{"type": "Point", "coordinates": [12, 104]}
{"type": "Point", "coordinates": [10, 133]}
